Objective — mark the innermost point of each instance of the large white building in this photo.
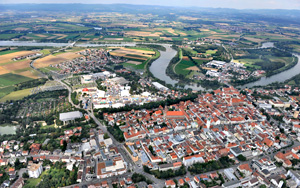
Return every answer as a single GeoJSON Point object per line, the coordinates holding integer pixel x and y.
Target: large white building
{"type": "Point", "coordinates": [187, 161]}
{"type": "Point", "coordinates": [85, 79]}
{"type": "Point", "coordinates": [109, 168]}
{"type": "Point", "coordinates": [70, 116]}
{"type": "Point", "coordinates": [294, 176]}
{"type": "Point", "coordinates": [160, 86]}
{"type": "Point", "coordinates": [35, 170]}
{"type": "Point", "coordinates": [229, 173]}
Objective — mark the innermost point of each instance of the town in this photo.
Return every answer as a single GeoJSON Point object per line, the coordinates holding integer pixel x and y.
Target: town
{"type": "Point", "coordinates": [147, 96]}
{"type": "Point", "coordinates": [224, 138]}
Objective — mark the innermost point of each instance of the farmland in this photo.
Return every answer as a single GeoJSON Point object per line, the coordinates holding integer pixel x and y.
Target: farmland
{"type": "Point", "coordinates": [131, 53]}
{"type": "Point", "coordinates": [7, 52]}
{"type": "Point", "coordinates": [5, 90]}
{"type": "Point", "coordinates": [137, 57]}
{"type": "Point", "coordinates": [202, 38]}
{"type": "Point", "coordinates": [11, 79]}
{"type": "Point", "coordinates": [16, 95]}
{"type": "Point", "coordinates": [15, 71]}
{"type": "Point", "coordinates": [8, 57]}
{"type": "Point", "coordinates": [55, 59]}
{"type": "Point", "coordinates": [266, 59]}
{"type": "Point", "coordinates": [184, 67]}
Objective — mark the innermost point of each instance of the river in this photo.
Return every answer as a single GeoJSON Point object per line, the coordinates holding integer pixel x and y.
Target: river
{"type": "Point", "coordinates": [159, 66]}
{"type": "Point", "coordinates": [280, 77]}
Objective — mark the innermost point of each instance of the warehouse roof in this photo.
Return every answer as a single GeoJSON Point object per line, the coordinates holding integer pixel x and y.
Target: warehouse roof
{"type": "Point", "coordinates": [70, 116]}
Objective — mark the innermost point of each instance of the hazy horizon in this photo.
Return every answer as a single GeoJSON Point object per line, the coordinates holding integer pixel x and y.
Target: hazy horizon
{"type": "Point", "coordinates": [236, 4]}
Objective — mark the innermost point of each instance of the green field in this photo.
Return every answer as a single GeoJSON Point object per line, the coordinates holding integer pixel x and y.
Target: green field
{"type": "Point", "coordinates": [11, 79]}
{"type": "Point", "coordinates": [141, 66]}
{"type": "Point", "coordinates": [33, 182]}
{"type": "Point", "coordinates": [8, 52]}
{"type": "Point", "coordinates": [138, 67]}
{"type": "Point", "coordinates": [48, 126]}
{"type": "Point", "coordinates": [182, 66]}
{"type": "Point", "coordinates": [190, 76]}
{"type": "Point", "coordinates": [251, 62]}
{"type": "Point", "coordinates": [8, 36]}
{"type": "Point", "coordinates": [285, 60]}
{"type": "Point", "coordinates": [295, 48]}
{"type": "Point", "coordinates": [45, 51]}
{"type": "Point", "coordinates": [199, 62]}
{"type": "Point", "coordinates": [48, 69]}
{"type": "Point", "coordinates": [191, 51]}
{"type": "Point", "coordinates": [16, 95]}
{"type": "Point", "coordinates": [6, 90]}
{"type": "Point", "coordinates": [210, 52]}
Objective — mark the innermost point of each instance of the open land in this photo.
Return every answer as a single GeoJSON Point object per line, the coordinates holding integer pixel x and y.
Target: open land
{"type": "Point", "coordinates": [51, 59]}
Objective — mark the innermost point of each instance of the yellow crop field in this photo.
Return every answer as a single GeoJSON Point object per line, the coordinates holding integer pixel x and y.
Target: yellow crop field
{"type": "Point", "coordinates": [142, 34]}
{"type": "Point", "coordinates": [194, 68]}
{"type": "Point", "coordinates": [8, 57]}
{"type": "Point", "coordinates": [17, 65]}
{"type": "Point", "coordinates": [51, 59]}
{"type": "Point", "coordinates": [126, 52]}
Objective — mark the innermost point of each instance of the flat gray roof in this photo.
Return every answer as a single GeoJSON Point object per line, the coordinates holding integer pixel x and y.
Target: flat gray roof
{"type": "Point", "coordinates": [70, 116]}
{"type": "Point", "coordinates": [231, 183]}
{"type": "Point", "coordinates": [120, 80]}
{"type": "Point", "coordinates": [159, 86]}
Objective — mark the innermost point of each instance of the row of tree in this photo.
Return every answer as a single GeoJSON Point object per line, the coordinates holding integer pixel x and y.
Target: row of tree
{"type": "Point", "coordinates": [166, 174]}
{"type": "Point", "coordinates": [116, 132]}
{"type": "Point", "coordinates": [223, 162]}
{"type": "Point", "coordinates": [136, 178]}
{"type": "Point", "coordinates": [74, 98]}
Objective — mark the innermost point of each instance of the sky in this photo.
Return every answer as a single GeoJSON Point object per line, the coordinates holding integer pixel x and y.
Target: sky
{"type": "Point", "coordinates": [238, 4]}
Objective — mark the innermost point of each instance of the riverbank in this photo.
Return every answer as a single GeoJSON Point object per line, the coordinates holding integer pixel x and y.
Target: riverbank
{"type": "Point", "coordinates": [184, 82]}
{"type": "Point", "coordinates": [255, 79]}
{"type": "Point", "coordinates": [157, 67]}
{"type": "Point", "coordinates": [280, 77]}
{"type": "Point", "coordinates": [289, 66]}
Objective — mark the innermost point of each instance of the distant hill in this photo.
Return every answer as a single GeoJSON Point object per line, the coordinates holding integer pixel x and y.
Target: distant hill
{"type": "Point", "coordinates": [268, 15]}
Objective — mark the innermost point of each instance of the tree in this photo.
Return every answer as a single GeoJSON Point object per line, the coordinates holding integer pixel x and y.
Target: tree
{"type": "Point", "coordinates": [223, 162]}
{"type": "Point", "coordinates": [25, 175]}
{"type": "Point", "coordinates": [137, 177]}
{"type": "Point", "coordinates": [151, 150]}
{"type": "Point", "coordinates": [64, 146]}
{"type": "Point", "coordinates": [146, 169]}
{"type": "Point", "coordinates": [106, 136]}
{"type": "Point", "coordinates": [185, 185]}
{"type": "Point", "coordinates": [241, 157]}
{"type": "Point", "coordinates": [116, 132]}
{"type": "Point", "coordinates": [18, 165]}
